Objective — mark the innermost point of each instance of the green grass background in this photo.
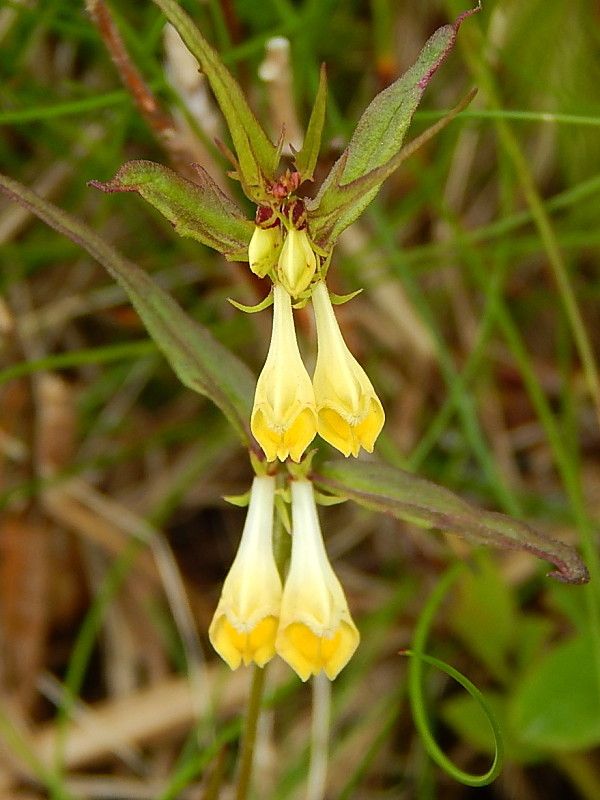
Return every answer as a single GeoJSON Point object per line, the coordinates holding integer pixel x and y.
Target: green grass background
{"type": "Point", "coordinates": [479, 328]}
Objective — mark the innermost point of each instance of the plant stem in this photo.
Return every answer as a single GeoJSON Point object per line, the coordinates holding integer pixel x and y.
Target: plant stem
{"type": "Point", "coordinates": [319, 747]}
{"type": "Point", "coordinates": [249, 734]}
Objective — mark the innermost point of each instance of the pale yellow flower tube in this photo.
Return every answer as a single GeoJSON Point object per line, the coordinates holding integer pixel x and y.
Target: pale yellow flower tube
{"type": "Point", "coordinates": [245, 622]}
{"type": "Point", "coordinates": [316, 631]}
{"type": "Point", "coordinates": [350, 414]}
{"type": "Point", "coordinates": [284, 417]}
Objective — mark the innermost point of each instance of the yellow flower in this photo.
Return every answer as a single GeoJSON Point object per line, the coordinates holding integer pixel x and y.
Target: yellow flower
{"type": "Point", "coordinates": [316, 631]}
{"type": "Point", "coordinates": [297, 262]}
{"type": "Point", "coordinates": [263, 250]}
{"type": "Point", "coordinates": [245, 622]}
{"type": "Point", "coordinates": [284, 417]}
{"type": "Point", "coordinates": [350, 413]}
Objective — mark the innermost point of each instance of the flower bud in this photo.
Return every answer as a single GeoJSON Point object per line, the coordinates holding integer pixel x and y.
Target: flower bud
{"type": "Point", "coordinates": [297, 263]}
{"type": "Point", "coordinates": [264, 249]}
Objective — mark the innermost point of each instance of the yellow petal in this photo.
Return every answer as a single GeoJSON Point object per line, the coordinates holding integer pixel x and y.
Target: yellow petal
{"type": "Point", "coordinates": [350, 414]}
{"type": "Point", "coordinates": [245, 623]}
{"type": "Point", "coordinates": [284, 417]}
{"type": "Point", "coordinates": [235, 646]}
{"type": "Point", "coordinates": [316, 632]}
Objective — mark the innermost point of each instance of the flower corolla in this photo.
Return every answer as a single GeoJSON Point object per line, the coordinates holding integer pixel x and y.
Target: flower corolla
{"type": "Point", "coordinates": [284, 417]}
{"type": "Point", "coordinates": [316, 631]}
{"type": "Point", "coordinates": [350, 414]}
{"type": "Point", "coordinates": [245, 623]}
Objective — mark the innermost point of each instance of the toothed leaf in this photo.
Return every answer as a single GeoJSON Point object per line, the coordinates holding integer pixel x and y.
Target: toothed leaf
{"type": "Point", "coordinates": [199, 211]}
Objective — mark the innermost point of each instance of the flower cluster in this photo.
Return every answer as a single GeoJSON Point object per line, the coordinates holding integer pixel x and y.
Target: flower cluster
{"type": "Point", "coordinates": [306, 619]}
{"type": "Point", "coordinates": [339, 403]}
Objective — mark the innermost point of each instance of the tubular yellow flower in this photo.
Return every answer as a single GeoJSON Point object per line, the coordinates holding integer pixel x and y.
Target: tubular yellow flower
{"type": "Point", "coordinates": [350, 413]}
{"type": "Point", "coordinates": [316, 631]}
{"type": "Point", "coordinates": [263, 250]}
{"type": "Point", "coordinates": [297, 262]}
{"type": "Point", "coordinates": [245, 622]}
{"type": "Point", "coordinates": [284, 417]}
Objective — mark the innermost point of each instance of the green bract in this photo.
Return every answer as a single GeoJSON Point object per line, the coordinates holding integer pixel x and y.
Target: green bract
{"type": "Point", "coordinates": [198, 210]}
{"type": "Point", "coordinates": [202, 211]}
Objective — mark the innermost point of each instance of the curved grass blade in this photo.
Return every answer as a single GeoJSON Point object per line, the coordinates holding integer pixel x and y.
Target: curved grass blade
{"type": "Point", "coordinates": [417, 699]}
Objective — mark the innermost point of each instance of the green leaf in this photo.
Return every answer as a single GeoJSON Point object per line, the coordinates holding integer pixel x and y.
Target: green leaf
{"type": "Point", "coordinates": [200, 361]}
{"type": "Point", "coordinates": [306, 159]}
{"type": "Point", "coordinates": [341, 206]}
{"type": "Point", "coordinates": [557, 705]}
{"type": "Point", "coordinates": [380, 132]}
{"type": "Point", "coordinates": [389, 490]}
{"type": "Point", "coordinates": [483, 614]}
{"type": "Point", "coordinates": [199, 211]}
{"type": "Point", "coordinates": [256, 154]}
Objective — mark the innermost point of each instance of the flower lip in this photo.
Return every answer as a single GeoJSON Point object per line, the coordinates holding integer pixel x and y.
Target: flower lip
{"type": "Point", "coordinates": [350, 414]}
{"type": "Point", "coordinates": [245, 623]}
{"type": "Point", "coordinates": [316, 632]}
{"type": "Point", "coordinates": [284, 417]}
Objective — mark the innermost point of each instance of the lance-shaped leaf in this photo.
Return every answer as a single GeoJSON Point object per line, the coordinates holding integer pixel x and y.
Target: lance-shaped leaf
{"type": "Point", "coordinates": [256, 155]}
{"type": "Point", "coordinates": [199, 211]}
{"type": "Point", "coordinates": [200, 361]}
{"type": "Point", "coordinates": [306, 159]}
{"type": "Point", "coordinates": [337, 211]}
{"type": "Point", "coordinates": [384, 488]}
{"type": "Point", "coordinates": [381, 129]}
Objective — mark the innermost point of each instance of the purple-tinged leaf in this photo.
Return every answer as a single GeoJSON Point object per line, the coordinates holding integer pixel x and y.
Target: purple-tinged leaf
{"type": "Point", "coordinates": [389, 490]}
{"type": "Point", "coordinates": [199, 210]}
{"type": "Point", "coordinates": [382, 127]}
{"type": "Point", "coordinates": [337, 210]}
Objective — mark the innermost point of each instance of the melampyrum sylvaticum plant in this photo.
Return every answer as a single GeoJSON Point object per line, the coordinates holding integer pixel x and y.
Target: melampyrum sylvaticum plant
{"type": "Point", "coordinates": [292, 605]}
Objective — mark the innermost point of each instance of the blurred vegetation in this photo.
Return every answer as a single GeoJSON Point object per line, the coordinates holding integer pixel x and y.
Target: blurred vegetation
{"type": "Point", "coordinates": [479, 328]}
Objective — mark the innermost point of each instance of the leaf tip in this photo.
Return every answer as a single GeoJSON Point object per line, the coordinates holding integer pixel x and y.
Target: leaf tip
{"type": "Point", "coordinates": [575, 573]}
